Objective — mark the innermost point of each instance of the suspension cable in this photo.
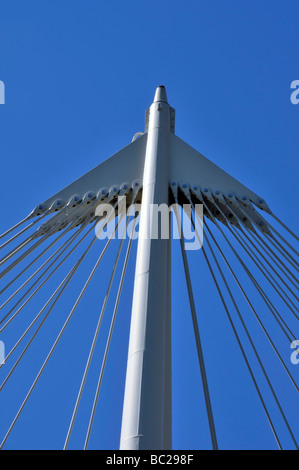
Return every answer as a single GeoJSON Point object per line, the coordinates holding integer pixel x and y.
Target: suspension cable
{"type": "Point", "coordinates": [95, 338]}
{"type": "Point", "coordinates": [198, 341]}
{"type": "Point", "coordinates": [285, 226]}
{"type": "Point", "coordinates": [251, 277]}
{"type": "Point", "coordinates": [40, 286]}
{"type": "Point", "coordinates": [284, 297]}
{"type": "Point", "coordinates": [59, 336]}
{"type": "Point", "coordinates": [22, 222]}
{"type": "Point", "coordinates": [252, 344]}
{"type": "Point", "coordinates": [59, 251]}
{"type": "Point", "coordinates": [96, 397]}
{"type": "Point", "coordinates": [240, 260]}
{"type": "Point", "coordinates": [276, 260]}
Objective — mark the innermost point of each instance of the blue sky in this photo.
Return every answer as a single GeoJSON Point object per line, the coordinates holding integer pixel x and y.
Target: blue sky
{"type": "Point", "coordinates": [78, 77]}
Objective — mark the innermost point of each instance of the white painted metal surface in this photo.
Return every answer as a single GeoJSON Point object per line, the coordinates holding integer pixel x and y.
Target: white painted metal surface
{"type": "Point", "coordinates": [191, 167]}
{"type": "Point", "coordinates": [146, 420]}
{"type": "Point", "coordinates": [125, 166]}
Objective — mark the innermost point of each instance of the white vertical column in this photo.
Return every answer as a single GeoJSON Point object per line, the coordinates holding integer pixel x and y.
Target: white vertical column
{"type": "Point", "coordinates": [146, 422]}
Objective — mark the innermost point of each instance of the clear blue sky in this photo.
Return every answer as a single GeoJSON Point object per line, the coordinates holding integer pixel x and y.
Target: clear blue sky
{"type": "Point", "coordinates": [78, 78]}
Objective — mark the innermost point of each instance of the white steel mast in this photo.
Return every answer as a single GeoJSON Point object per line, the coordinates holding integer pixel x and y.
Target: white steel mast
{"type": "Point", "coordinates": [146, 422]}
